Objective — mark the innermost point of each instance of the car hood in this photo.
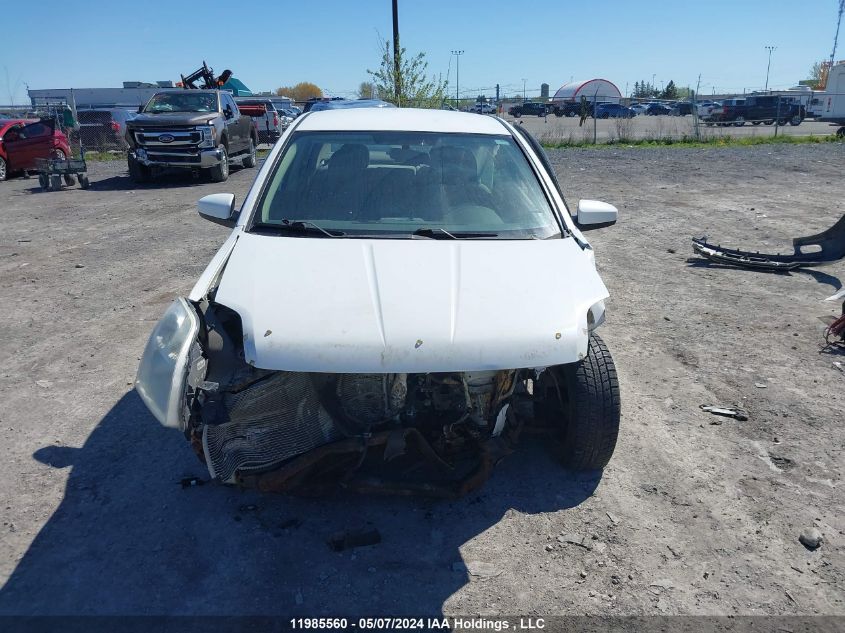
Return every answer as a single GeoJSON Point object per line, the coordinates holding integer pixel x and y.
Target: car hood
{"type": "Point", "coordinates": [172, 118]}
{"type": "Point", "coordinates": [384, 305]}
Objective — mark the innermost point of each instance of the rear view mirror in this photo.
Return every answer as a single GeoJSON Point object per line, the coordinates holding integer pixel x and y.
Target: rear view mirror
{"type": "Point", "coordinates": [593, 214]}
{"type": "Point", "coordinates": [219, 208]}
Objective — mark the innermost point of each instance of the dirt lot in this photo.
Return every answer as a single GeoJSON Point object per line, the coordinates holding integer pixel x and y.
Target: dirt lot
{"type": "Point", "coordinates": [694, 515]}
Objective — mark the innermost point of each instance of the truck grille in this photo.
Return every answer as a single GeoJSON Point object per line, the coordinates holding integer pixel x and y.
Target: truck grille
{"type": "Point", "coordinates": [167, 137]}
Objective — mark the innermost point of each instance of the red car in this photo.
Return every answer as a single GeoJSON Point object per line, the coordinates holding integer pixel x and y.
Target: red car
{"type": "Point", "coordinates": [21, 142]}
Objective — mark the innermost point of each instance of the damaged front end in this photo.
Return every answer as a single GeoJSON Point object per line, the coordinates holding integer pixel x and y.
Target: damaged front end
{"type": "Point", "coordinates": [437, 434]}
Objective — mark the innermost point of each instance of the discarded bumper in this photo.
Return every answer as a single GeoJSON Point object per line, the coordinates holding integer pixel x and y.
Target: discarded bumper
{"type": "Point", "coordinates": [827, 247]}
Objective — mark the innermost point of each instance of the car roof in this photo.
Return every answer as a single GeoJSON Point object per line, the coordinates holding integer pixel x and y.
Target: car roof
{"type": "Point", "coordinates": [401, 119]}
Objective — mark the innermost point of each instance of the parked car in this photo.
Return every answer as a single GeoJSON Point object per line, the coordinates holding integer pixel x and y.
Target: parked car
{"type": "Point", "coordinates": [614, 111]}
{"type": "Point", "coordinates": [22, 142]}
{"type": "Point", "coordinates": [190, 129]}
{"type": "Point", "coordinates": [484, 108]}
{"type": "Point", "coordinates": [757, 109]}
{"type": "Point", "coordinates": [104, 128]}
{"type": "Point", "coordinates": [654, 109]}
{"type": "Point", "coordinates": [681, 108]}
{"type": "Point", "coordinates": [410, 214]}
{"type": "Point", "coordinates": [347, 104]}
{"type": "Point", "coordinates": [705, 109]}
{"type": "Point", "coordinates": [529, 108]}
{"type": "Point", "coordinates": [269, 123]}
{"type": "Point", "coordinates": [639, 108]}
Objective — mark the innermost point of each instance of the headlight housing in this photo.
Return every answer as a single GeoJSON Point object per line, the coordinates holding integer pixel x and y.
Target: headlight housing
{"type": "Point", "coordinates": [164, 366]}
{"type": "Point", "coordinates": [208, 136]}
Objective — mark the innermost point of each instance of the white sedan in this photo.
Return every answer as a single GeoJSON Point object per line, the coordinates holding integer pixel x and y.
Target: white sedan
{"type": "Point", "coordinates": [401, 292]}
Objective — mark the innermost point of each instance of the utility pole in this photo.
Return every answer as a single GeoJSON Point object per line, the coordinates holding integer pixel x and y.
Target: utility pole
{"type": "Point", "coordinates": [770, 49]}
{"type": "Point", "coordinates": [457, 55]}
{"type": "Point", "coordinates": [523, 90]}
{"type": "Point", "coordinates": [397, 75]}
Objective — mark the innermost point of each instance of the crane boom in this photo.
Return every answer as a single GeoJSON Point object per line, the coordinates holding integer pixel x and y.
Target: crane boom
{"type": "Point", "coordinates": [836, 37]}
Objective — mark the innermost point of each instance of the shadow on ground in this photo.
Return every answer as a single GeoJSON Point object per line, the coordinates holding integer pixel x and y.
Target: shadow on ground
{"type": "Point", "coordinates": [128, 539]}
{"type": "Point", "coordinates": [820, 276]}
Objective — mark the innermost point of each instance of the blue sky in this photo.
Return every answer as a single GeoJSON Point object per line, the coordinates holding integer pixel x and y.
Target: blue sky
{"type": "Point", "coordinates": [333, 42]}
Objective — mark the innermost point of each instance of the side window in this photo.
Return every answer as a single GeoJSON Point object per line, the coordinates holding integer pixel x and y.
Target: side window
{"type": "Point", "coordinates": [233, 105]}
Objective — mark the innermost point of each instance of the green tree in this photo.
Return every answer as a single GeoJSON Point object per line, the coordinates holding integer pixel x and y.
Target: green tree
{"type": "Point", "coordinates": [302, 91]}
{"type": "Point", "coordinates": [417, 89]}
{"type": "Point", "coordinates": [670, 91]}
{"type": "Point", "coordinates": [366, 90]}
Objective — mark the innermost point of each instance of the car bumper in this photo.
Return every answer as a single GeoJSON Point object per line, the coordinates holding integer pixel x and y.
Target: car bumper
{"type": "Point", "coordinates": [201, 158]}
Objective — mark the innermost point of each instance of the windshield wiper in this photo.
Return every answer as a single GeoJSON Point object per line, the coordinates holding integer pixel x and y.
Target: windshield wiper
{"type": "Point", "coordinates": [437, 233]}
{"type": "Point", "coordinates": [296, 226]}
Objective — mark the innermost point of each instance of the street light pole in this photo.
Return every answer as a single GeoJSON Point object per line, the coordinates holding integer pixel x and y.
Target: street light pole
{"type": "Point", "coordinates": [457, 55]}
{"type": "Point", "coordinates": [768, 67]}
{"type": "Point", "coordinates": [523, 90]}
{"type": "Point", "coordinates": [653, 75]}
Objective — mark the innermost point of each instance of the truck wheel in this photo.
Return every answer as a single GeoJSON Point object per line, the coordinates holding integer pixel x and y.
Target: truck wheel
{"type": "Point", "coordinates": [2, 169]}
{"type": "Point", "coordinates": [739, 121]}
{"type": "Point", "coordinates": [44, 182]}
{"type": "Point", "coordinates": [583, 404]}
{"type": "Point", "coordinates": [56, 182]}
{"type": "Point", "coordinates": [558, 113]}
{"type": "Point", "coordinates": [70, 181]}
{"type": "Point", "coordinates": [768, 122]}
{"type": "Point", "coordinates": [250, 159]}
{"type": "Point", "coordinates": [756, 122]}
{"type": "Point", "coordinates": [220, 173]}
{"type": "Point", "coordinates": [137, 172]}
{"type": "Point", "coordinates": [83, 181]}
{"type": "Point", "coordinates": [570, 114]}
{"type": "Point", "coordinates": [796, 120]}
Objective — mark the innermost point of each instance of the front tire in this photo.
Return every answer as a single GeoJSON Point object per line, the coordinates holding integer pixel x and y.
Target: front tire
{"type": "Point", "coordinates": [585, 408]}
{"type": "Point", "coordinates": [138, 173]}
{"type": "Point", "coordinates": [220, 172]}
{"type": "Point", "coordinates": [250, 160]}
{"type": "Point", "coordinates": [3, 170]}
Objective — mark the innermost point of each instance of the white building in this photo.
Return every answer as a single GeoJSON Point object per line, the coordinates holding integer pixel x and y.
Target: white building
{"type": "Point", "coordinates": [598, 89]}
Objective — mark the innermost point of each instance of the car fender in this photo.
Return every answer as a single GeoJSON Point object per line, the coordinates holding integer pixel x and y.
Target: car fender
{"type": "Point", "coordinates": [211, 275]}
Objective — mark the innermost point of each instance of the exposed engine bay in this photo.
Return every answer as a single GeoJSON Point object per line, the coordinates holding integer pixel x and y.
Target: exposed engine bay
{"type": "Point", "coordinates": [435, 433]}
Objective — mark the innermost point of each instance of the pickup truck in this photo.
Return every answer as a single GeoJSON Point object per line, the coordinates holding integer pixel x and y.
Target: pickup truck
{"type": "Point", "coordinates": [201, 130]}
{"type": "Point", "coordinates": [759, 109]}
{"type": "Point", "coordinates": [571, 108]}
{"type": "Point", "coordinates": [529, 108]}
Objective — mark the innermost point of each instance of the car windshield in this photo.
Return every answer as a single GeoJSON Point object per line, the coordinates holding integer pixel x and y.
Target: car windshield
{"type": "Point", "coordinates": [398, 184]}
{"type": "Point", "coordinates": [184, 101]}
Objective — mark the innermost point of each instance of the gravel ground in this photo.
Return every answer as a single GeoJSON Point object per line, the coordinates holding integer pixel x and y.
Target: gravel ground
{"type": "Point", "coordinates": [694, 515]}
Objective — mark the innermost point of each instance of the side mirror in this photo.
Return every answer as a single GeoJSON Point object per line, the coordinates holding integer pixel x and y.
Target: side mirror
{"type": "Point", "coordinates": [227, 112]}
{"type": "Point", "coordinates": [593, 214]}
{"type": "Point", "coordinates": [219, 208]}
{"type": "Point", "coordinates": [140, 109]}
